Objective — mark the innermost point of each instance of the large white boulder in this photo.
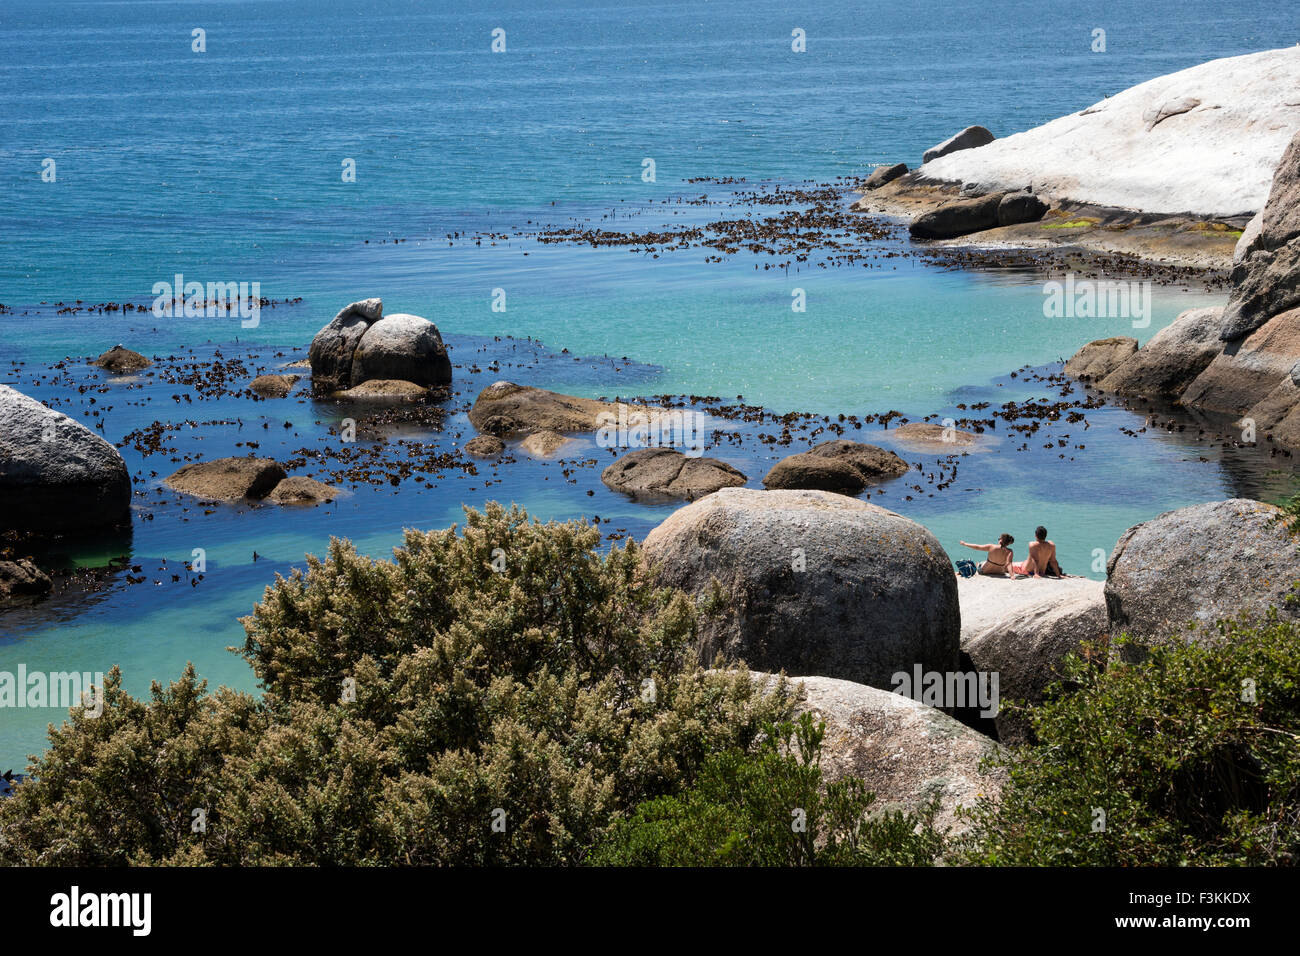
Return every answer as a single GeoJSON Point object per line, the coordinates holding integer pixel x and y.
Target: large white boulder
{"type": "Point", "coordinates": [1204, 140]}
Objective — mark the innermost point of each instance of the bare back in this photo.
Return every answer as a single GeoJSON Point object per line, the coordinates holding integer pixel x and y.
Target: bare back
{"type": "Point", "coordinates": [999, 561]}
{"type": "Point", "coordinates": [1043, 554]}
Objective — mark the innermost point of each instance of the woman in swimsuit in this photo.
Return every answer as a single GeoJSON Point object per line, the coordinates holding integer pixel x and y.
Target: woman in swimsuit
{"type": "Point", "coordinates": [999, 561]}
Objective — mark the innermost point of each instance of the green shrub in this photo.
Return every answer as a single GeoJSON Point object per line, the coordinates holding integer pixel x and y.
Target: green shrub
{"type": "Point", "coordinates": [122, 787]}
{"type": "Point", "coordinates": [1192, 755]}
{"type": "Point", "coordinates": [771, 808]}
{"type": "Point", "coordinates": [509, 675]}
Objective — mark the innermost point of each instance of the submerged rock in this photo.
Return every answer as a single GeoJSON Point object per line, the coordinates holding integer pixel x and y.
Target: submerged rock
{"type": "Point", "coordinates": [383, 390]}
{"type": "Point", "coordinates": [227, 479]}
{"type": "Point", "coordinates": [934, 437]}
{"type": "Point", "coordinates": [1201, 564]}
{"type": "Point", "coordinates": [273, 386]}
{"type": "Point", "coordinates": [505, 409]}
{"type": "Point", "coordinates": [22, 582]}
{"type": "Point", "coordinates": [1098, 359]}
{"type": "Point", "coordinates": [811, 582]}
{"type": "Point", "coordinates": [121, 359]}
{"type": "Point", "coordinates": [544, 444]}
{"type": "Point", "coordinates": [300, 490]}
{"type": "Point", "coordinates": [969, 138]}
{"type": "Point", "coordinates": [56, 475]}
{"type": "Point", "coordinates": [842, 466]}
{"type": "Point", "coordinates": [485, 446]}
{"type": "Point", "coordinates": [665, 472]}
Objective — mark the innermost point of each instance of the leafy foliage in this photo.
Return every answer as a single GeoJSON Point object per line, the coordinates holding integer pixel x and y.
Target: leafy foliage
{"type": "Point", "coordinates": [407, 707]}
{"type": "Point", "coordinates": [1193, 755]}
{"type": "Point", "coordinates": [771, 808]}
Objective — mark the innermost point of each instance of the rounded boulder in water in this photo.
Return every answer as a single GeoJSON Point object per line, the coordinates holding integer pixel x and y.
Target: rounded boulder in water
{"type": "Point", "coordinates": [402, 346]}
{"type": "Point", "coordinates": [55, 473]}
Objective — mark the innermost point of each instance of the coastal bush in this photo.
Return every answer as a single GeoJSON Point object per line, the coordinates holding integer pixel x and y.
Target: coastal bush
{"type": "Point", "coordinates": [771, 808]}
{"type": "Point", "coordinates": [496, 696]}
{"type": "Point", "coordinates": [1191, 757]}
{"type": "Point", "coordinates": [122, 787]}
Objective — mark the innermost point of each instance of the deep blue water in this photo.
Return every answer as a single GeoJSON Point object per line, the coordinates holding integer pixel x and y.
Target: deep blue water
{"type": "Point", "coordinates": [226, 165]}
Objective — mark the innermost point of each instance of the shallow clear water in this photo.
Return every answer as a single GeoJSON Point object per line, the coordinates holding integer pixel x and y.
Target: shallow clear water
{"type": "Point", "coordinates": [226, 166]}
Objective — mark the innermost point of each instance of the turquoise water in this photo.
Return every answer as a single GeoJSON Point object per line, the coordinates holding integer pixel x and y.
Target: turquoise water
{"type": "Point", "coordinates": [226, 165]}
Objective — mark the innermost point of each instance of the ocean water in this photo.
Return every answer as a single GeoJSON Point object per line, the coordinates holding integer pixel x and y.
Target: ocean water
{"type": "Point", "coordinates": [227, 165]}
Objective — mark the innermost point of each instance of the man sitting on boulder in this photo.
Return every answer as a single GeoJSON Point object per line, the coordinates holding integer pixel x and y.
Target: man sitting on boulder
{"type": "Point", "coordinates": [1041, 562]}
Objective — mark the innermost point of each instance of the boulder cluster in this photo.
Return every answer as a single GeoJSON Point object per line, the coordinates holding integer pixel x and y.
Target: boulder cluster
{"type": "Point", "coordinates": [247, 479]}
{"type": "Point", "coordinates": [848, 596]}
{"type": "Point", "coordinates": [969, 213]}
{"type": "Point", "coordinates": [1243, 359]}
{"type": "Point", "coordinates": [362, 345]}
{"type": "Point", "coordinates": [961, 217]}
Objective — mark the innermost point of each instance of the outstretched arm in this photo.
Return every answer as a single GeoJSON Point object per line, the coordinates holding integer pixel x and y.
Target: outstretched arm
{"type": "Point", "coordinates": [977, 547]}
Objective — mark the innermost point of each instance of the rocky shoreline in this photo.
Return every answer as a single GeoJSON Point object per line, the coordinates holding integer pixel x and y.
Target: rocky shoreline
{"type": "Point", "coordinates": [1100, 179]}
{"type": "Point", "coordinates": [1176, 245]}
{"type": "Point", "coordinates": [1241, 361]}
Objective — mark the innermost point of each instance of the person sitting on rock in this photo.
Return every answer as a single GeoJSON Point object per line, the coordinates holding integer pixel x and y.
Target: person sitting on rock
{"type": "Point", "coordinates": [1043, 553]}
{"type": "Point", "coordinates": [1041, 562]}
{"type": "Point", "coordinates": [999, 561]}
